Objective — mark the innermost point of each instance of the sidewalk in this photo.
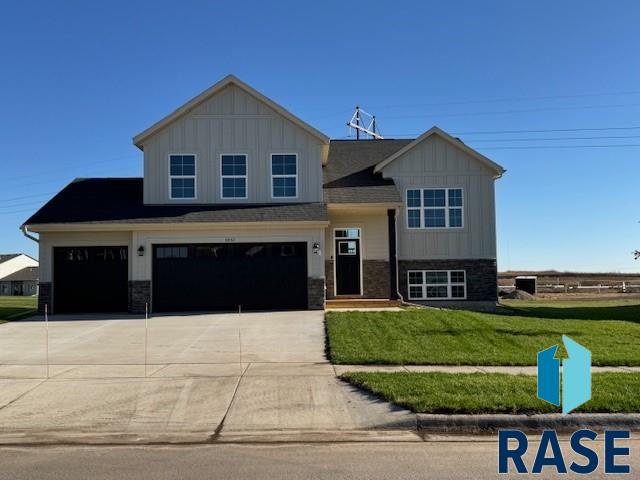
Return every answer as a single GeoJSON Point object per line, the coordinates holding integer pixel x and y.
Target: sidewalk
{"type": "Point", "coordinates": [530, 370]}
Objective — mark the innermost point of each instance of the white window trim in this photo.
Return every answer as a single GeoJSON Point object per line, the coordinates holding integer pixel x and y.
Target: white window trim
{"type": "Point", "coordinates": [272, 176]}
{"type": "Point", "coordinates": [195, 177]}
{"type": "Point", "coordinates": [422, 208]}
{"type": "Point", "coordinates": [424, 285]}
{"type": "Point", "coordinates": [246, 177]}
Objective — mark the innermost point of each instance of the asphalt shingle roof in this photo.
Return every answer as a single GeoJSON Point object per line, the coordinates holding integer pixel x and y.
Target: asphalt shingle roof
{"type": "Point", "coordinates": [348, 176]}
{"type": "Point", "coordinates": [119, 200]}
{"type": "Point", "coordinates": [7, 256]}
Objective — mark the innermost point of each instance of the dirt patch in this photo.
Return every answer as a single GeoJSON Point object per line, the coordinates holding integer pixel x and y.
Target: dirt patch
{"type": "Point", "coordinates": [519, 295]}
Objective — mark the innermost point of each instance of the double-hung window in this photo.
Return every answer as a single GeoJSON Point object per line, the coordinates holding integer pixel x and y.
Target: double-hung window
{"type": "Point", "coordinates": [233, 176]}
{"type": "Point", "coordinates": [435, 208]}
{"type": "Point", "coordinates": [182, 176]}
{"type": "Point", "coordinates": [284, 175]}
{"type": "Point", "coordinates": [437, 284]}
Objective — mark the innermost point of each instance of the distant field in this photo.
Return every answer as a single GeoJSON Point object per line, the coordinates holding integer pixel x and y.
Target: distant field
{"type": "Point", "coordinates": [14, 308]}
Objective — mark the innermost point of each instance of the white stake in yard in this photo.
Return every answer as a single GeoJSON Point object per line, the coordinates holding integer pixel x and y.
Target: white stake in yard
{"type": "Point", "coordinates": [46, 327]}
{"type": "Point", "coordinates": [146, 335]}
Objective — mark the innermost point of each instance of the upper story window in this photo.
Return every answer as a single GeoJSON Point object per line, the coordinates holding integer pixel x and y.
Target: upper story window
{"type": "Point", "coordinates": [284, 176]}
{"type": "Point", "coordinates": [435, 208]}
{"type": "Point", "coordinates": [182, 176]}
{"type": "Point", "coordinates": [233, 176]}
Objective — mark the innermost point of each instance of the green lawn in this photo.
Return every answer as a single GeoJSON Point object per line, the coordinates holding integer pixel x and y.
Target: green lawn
{"type": "Point", "coordinates": [14, 308]}
{"type": "Point", "coordinates": [492, 393]}
{"type": "Point", "coordinates": [611, 330]}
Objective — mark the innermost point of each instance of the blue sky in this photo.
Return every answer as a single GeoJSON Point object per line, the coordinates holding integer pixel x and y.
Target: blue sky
{"type": "Point", "coordinates": [79, 79]}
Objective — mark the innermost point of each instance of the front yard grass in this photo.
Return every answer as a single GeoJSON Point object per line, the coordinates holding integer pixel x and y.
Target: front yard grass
{"type": "Point", "coordinates": [476, 393]}
{"type": "Point", "coordinates": [14, 308]}
{"type": "Point", "coordinates": [611, 330]}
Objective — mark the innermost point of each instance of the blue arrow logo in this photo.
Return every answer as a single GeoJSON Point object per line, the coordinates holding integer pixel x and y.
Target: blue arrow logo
{"type": "Point", "coordinates": [576, 375]}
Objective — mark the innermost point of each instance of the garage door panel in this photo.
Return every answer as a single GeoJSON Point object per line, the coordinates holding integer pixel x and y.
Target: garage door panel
{"type": "Point", "coordinates": [90, 279]}
{"type": "Point", "coordinates": [260, 276]}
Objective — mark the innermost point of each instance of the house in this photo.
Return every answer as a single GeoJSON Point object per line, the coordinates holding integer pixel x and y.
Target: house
{"type": "Point", "coordinates": [245, 206]}
{"type": "Point", "coordinates": [18, 274]}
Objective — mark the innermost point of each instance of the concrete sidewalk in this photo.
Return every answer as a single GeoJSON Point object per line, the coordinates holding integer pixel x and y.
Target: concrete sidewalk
{"type": "Point", "coordinates": [187, 403]}
{"type": "Point", "coordinates": [340, 369]}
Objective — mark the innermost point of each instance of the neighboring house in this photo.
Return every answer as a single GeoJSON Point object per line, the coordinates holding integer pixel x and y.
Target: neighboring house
{"type": "Point", "coordinates": [18, 274]}
{"type": "Point", "coordinates": [245, 206]}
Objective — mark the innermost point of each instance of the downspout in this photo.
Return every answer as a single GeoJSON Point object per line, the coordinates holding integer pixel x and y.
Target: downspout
{"type": "Point", "coordinates": [394, 291]}
{"type": "Point", "coordinates": [26, 233]}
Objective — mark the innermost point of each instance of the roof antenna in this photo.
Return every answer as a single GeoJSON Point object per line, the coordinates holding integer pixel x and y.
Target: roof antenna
{"type": "Point", "coordinates": [358, 124]}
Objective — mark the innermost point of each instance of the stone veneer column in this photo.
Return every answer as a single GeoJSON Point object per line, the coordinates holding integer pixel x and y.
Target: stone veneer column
{"type": "Point", "coordinates": [315, 293]}
{"type": "Point", "coordinates": [139, 295]}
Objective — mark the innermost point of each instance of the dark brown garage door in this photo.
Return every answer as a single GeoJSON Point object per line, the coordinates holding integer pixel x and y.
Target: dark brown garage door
{"type": "Point", "coordinates": [90, 279]}
{"type": "Point", "coordinates": [255, 276]}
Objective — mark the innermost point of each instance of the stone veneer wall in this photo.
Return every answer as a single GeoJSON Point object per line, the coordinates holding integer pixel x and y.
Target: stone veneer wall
{"type": "Point", "coordinates": [315, 293]}
{"type": "Point", "coordinates": [45, 296]}
{"type": "Point", "coordinates": [375, 274]}
{"type": "Point", "coordinates": [376, 278]}
{"type": "Point", "coordinates": [481, 274]}
{"type": "Point", "coordinates": [139, 294]}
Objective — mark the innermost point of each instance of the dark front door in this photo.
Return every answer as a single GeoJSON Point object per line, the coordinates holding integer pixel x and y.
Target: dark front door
{"type": "Point", "coordinates": [250, 276]}
{"type": "Point", "coordinates": [347, 266]}
{"type": "Point", "coordinates": [90, 279]}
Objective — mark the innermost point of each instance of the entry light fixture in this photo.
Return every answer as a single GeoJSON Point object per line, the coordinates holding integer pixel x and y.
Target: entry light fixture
{"type": "Point", "coordinates": [316, 248]}
{"type": "Point", "coordinates": [141, 250]}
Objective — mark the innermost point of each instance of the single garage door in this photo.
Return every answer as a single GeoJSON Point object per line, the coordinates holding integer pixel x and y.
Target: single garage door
{"type": "Point", "coordinates": [255, 276]}
{"type": "Point", "coordinates": [90, 279]}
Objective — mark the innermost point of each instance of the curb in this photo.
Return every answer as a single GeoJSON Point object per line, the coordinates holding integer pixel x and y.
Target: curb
{"type": "Point", "coordinates": [484, 424]}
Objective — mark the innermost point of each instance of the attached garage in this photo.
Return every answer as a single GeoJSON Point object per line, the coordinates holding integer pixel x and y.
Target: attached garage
{"type": "Point", "coordinates": [228, 276]}
{"type": "Point", "coordinates": [90, 279]}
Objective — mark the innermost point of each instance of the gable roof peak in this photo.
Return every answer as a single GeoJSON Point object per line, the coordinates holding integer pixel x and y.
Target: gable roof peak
{"type": "Point", "coordinates": [498, 170]}
{"type": "Point", "coordinates": [139, 139]}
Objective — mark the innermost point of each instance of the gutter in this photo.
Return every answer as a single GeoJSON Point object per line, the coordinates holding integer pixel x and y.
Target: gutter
{"type": "Point", "coordinates": [26, 233]}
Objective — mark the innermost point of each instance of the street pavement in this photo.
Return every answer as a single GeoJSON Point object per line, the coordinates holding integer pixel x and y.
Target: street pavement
{"type": "Point", "coordinates": [447, 458]}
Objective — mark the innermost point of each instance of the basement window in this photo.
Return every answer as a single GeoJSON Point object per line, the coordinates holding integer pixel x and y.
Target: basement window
{"type": "Point", "coordinates": [434, 208]}
{"type": "Point", "coordinates": [437, 284]}
{"type": "Point", "coordinates": [182, 176]}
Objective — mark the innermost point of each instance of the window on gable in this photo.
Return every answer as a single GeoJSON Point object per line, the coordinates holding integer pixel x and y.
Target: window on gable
{"type": "Point", "coordinates": [182, 176]}
{"type": "Point", "coordinates": [436, 284]}
{"type": "Point", "coordinates": [284, 175]}
{"type": "Point", "coordinates": [434, 208]}
{"type": "Point", "coordinates": [234, 176]}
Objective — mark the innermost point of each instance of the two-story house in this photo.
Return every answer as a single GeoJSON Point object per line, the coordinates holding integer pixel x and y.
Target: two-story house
{"type": "Point", "coordinates": [243, 205]}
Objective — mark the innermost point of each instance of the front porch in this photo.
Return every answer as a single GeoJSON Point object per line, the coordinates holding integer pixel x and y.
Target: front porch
{"type": "Point", "coordinates": [360, 260]}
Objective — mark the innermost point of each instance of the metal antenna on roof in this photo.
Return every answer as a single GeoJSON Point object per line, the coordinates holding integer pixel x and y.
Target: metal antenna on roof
{"type": "Point", "coordinates": [370, 127]}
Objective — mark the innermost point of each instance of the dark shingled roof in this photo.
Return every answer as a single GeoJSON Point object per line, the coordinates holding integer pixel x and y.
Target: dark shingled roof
{"type": "Point", "coordinates": [26, 274]}
{"type": "Point", "coordinates": [7, 256]}
{"type": "Point", "coordinates": [119, 200]}
{"type": "Point", "coordinates": [349, 177]}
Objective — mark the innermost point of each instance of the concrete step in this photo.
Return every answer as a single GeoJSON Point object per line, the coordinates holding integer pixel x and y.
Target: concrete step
{"type": "Point", "coordinates": [341, 303]}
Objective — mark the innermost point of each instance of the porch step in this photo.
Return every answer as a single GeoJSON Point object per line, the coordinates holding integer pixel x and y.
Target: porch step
{"type": "Point", "coordinates": [341, 303]}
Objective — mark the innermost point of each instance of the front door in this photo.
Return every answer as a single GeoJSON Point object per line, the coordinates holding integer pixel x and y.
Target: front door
{"type": "Point", "coordinates": [347, 255]}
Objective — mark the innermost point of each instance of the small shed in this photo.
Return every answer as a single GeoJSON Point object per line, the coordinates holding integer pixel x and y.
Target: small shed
{"type": "Point", "coordinates": [527, 283]}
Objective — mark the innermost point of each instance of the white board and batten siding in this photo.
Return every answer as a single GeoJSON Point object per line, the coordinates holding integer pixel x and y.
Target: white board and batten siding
{"type": "Point", "coordinates": [232, 122]}
{"type": "Point", "coordinates": [435, 162]}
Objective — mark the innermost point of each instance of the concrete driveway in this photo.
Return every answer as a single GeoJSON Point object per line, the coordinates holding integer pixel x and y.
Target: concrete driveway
{"type": "Point", "coordinates": [204, 374]}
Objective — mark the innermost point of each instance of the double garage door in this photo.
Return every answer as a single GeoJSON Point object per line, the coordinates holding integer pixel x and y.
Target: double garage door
{"type": "Point", "coordinates": [186, 277]}
{"type": "Point", "coordinates": [229, 276]}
